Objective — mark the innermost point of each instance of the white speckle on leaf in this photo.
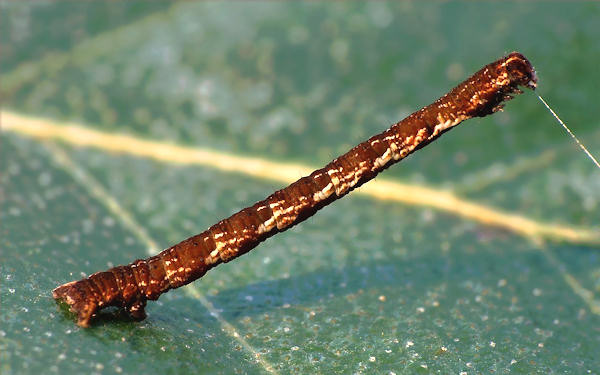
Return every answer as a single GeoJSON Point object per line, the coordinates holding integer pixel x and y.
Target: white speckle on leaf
{"type": "Point", "coordinates": [339, 50]}
{"type": "Point", "coordinates": [108, 221]}
{"type": "Point", "coordinates": [45, 179]}
{"type": "Point", "coordinates": [380, 14]}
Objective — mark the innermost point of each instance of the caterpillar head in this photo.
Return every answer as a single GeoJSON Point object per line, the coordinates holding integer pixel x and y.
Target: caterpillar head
{"type": "Point", "coordinates": [520, 71]}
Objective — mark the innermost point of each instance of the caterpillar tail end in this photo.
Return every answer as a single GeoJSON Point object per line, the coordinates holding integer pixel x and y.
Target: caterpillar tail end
{"type": "Point", "coordinates": [85, 300]}
{"type": "Point", "coordinates": [73, 295]}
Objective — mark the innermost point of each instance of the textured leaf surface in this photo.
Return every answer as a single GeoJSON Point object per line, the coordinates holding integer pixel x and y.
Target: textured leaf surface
{"type": "Point", "coordinates": [366, 286]}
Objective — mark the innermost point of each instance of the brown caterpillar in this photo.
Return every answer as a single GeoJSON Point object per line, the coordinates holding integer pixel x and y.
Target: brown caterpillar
{"type": "Point", "coordinates": [131, 286]}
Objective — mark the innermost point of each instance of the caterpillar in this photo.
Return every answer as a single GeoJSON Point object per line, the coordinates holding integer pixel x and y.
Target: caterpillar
{"type": "Point", "coordinates": [131, 286]}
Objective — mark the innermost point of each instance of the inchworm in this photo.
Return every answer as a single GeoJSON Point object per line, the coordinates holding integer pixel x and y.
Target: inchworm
{"type": "Point", "coordinates": [132, 285]}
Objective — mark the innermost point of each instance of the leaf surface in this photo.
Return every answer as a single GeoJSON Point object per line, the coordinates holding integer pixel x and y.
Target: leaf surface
{"type": "Point", "coordinates": [365, 286]}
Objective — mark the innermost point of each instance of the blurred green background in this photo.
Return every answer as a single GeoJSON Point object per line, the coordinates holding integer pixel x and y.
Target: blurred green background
{"type": "Point", "coordinates": [363, 287]}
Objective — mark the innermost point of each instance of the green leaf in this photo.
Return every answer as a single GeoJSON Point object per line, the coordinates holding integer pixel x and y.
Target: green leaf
{"type": "Point", "coordinates": [365, 286]}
